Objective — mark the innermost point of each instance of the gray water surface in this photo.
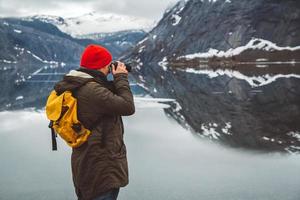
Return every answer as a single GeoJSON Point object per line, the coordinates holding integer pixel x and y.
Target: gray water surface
{"type": "Point", "coordinates": [165, 162]}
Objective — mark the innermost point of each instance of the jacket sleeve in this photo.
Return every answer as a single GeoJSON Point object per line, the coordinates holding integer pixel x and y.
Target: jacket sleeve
{"type": "Point", "coordinates": [106, 102]}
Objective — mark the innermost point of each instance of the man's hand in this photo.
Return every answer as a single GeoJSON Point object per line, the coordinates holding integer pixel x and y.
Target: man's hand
{"type": "Point", "coordinates": [120, 69]}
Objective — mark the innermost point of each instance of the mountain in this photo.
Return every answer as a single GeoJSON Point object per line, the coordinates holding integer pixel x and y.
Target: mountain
{"type": "Point", "coordinates": [117, 42]}
{"type": "Point", "coordinates": [198, 26]}
{"type": "Point", "coordinates": [35, 41]}
{"type": "Point", "coordinates": [233, 68]}
{"type": "Point", "coordinates": [116, 32]}
{"type": "Point", "coordinates": [26, 47]}
{"type": "Point", "coordinates": [35, 54]}
{"type": "Point", "coordinates": [94, 22]}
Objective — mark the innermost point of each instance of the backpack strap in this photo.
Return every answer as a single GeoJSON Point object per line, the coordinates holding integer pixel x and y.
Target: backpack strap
{"type": "Point", "coordinates": [53, 136]}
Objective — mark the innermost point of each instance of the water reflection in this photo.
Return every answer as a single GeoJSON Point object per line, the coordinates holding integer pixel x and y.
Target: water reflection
{"type": "Point", "coordinates": [165, 162]}
{"type": "Point", "coordinates": [29, 86]}
{"type": "Point", "coordinates": [261, 104]}
{"type": "Point", "coordinates": [246, 68]}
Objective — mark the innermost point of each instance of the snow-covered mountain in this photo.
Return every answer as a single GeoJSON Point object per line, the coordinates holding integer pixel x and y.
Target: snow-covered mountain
{"type": "Point", "coordinates": [94, 22]}
{"type": "Point", "coordinates": [233, 68]}
{"type": "Point", "coordinates": [35, 54]}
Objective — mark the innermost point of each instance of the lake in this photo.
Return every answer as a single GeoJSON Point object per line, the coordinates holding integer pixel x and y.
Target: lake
{"type": "Point", "coordinates": [166, 162]}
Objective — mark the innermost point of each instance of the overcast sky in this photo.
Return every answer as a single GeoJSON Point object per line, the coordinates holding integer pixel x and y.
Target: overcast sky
{"type": "Point", "coordinates": [150, 9]}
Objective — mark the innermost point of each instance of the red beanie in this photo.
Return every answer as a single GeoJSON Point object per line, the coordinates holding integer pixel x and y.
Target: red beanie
{"type": "Point", "coordinates": [95, 57]}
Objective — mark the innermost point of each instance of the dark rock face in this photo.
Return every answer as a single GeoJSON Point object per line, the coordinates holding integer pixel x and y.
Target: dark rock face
{"type": "Point", "coordinates": [249, 107]}
{"type": "Point", "coordinates": [23, 42]}
{"type": "Point", "coordinates": [231, 111]}
{"type": "Point", "coordinates": [222, 25]}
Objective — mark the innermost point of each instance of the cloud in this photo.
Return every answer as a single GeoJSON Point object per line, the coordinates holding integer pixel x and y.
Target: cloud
{"type": "Point", "coordinates": [146, 9]}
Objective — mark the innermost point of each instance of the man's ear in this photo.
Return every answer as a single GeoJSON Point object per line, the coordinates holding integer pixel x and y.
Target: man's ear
{"type": "Point", "coordinates": [105, 70]}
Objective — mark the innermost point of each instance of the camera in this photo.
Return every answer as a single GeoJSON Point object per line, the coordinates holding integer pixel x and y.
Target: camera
{"type": "Point", "coordinates": [115, 63]}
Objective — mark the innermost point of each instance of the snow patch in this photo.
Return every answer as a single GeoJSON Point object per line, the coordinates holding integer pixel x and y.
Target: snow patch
{"type": "Point", "coordinates": [176, 19]}
{"type": "Point", "coordinates": [19, 97]}
{"type": "Point", "coordinates": [20, 80]}
{"type": "Point", "coordinates": [261, 59]}
{"type": "Point", "coordinates": [163, 63]}
{"type": "Point", "coordinates": [139, 65]}
{"type": "Point", "coordinates": [254, 81]}
{"type": "Point", "coordinates": [142, 41]}
{"type": "Point", "coordinates": [143, 86]}
{"type": "Point", "coordinates": [5, 68]}
{"type": "Point", "coordinates": [149, 102]}
{"type": "Point", "coordinates": [17, 31]}
{"type": "Point", "coordinates": [8, 61]}
{"type": "Point", "coordinates": [178, 107]}
{"type": "Point", "coordinates": [254, 43]}
{"type": "Point", "coordinates": [150, 99]}
{"type": "Point", "coordinates": [261, 66]}
{"type": "Point", "coordinates": [225, 130]}
{"type": "Point", "coordinates": [21, 50]}
{"type": "Point", "coordinates": [209, 131]}
{"type": "Point", "coordinates": [37, 71]}
{"type": "Point", "coordinates": [141, 49]}
{"type": "Point", "coordinates": [295, 135]}
{"type": "Point", "coordinates": [270, 139]}
{"type": "Point", "coordinates": [292, 149]}
{"type": "Point", "coordinates": [141, 78]}
{"type": "Point", "coordinates": [52, 62]}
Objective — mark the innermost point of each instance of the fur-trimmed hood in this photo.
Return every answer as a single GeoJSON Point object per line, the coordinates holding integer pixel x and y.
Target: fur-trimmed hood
{"type": "Point", "coordinates": [76, 78]}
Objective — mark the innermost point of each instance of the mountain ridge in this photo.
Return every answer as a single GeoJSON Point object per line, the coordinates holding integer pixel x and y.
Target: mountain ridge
{"type": "Point", "coordinates": [239, 100]}
{"type": "Point", "coordinates": [94, 22]}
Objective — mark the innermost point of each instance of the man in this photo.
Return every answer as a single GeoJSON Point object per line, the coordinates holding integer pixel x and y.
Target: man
{"type": "Point", "coordinates": [99, 166]}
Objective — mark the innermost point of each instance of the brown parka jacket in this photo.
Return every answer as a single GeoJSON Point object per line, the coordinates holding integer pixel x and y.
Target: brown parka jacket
{"type": "Point", "coordinates": [100, 164]}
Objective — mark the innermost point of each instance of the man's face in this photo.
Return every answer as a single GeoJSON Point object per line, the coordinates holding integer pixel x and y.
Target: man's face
{"type": "Point", "coordinates": [107, 69]}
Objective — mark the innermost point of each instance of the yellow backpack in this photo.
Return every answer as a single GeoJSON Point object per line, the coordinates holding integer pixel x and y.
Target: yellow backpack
{"type": "Point", "coordinates": [61, 110]}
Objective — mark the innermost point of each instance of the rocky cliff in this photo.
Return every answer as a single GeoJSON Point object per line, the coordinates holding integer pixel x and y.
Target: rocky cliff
{"type": "Point", "coordinates": [232, 66]}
